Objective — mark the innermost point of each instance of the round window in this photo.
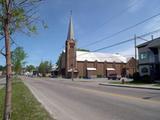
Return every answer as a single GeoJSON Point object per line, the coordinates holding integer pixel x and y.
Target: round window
{"type": "Point", "coordinates": [144, 70]}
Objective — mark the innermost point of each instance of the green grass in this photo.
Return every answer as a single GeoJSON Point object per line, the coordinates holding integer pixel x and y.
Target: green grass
{"type": "Point", "coordinates": [24, 104]}
{"type": "Point", "coordinates": [157, 85]}
{"type": "Point", "coordinates": [128, 83]}
{"type": "Point", "coordinates": [134, 83]}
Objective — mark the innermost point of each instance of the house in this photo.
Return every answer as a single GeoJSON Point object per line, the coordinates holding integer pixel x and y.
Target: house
{"type": "Point", "coordinates": [91, 64]}
{"type": "Point", "coordinates": [149, 58]}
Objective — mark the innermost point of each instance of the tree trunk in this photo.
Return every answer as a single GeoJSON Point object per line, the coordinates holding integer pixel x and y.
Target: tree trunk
{"type": "Point", "coordinates": [8, 95]}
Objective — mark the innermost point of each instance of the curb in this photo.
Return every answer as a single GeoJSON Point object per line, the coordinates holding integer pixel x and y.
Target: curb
{"type": "Point", "coordinates": [151, 88]}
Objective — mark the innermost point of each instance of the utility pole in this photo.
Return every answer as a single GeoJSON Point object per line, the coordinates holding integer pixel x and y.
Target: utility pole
{"type": "Point", "coordinates": [152, 37]}
{"type": "Point", "coordinates": [135, 47]}
{"type": "Point", "coordinates": [8, 91]}
{"type": "Point", "coordinates": [73, 69]}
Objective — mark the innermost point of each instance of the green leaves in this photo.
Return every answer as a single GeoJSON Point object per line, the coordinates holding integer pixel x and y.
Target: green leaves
{"type": "Point", "coordinates": [18, 16]}
{"type": "Point", "coordinates": [18, 56]}
{"type": "Point", "coordinates": [23, 16]}
{"type": "Point", "coordinates": [18, 12]}
{"type": "Point", "coordinates": [30, 68]}
{"type": "Point", "coordinates": [58, 63]}
{"type": "Point", "coordinates": [32, 29]}
{"type": "Point", "coordinates": [45, 67]}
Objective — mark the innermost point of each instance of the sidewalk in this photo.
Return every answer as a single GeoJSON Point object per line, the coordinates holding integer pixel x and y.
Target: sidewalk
{"type": "Point", "coordinates": [145, 86]}
{"type": "Point", "coordinates": [2, 82]}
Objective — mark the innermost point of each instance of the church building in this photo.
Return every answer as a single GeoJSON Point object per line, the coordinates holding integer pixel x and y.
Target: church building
{"type": "Point", "coordinates": [85, 64]}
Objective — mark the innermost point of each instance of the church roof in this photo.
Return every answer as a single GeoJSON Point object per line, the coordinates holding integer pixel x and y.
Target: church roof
{"type": "Point", "coordinates": [100, 57]}
{"type": "Point", "coordinates": [70, 35]}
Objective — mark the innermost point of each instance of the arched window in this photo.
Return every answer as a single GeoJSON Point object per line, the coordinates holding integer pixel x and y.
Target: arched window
{"type": "Point", "coordinates": [144, 70]}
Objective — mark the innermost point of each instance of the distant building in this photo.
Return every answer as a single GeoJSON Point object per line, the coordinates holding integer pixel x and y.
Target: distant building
{"type": "Point", "coordinates": [149, 58]}
{"type": "Point", "coordinates": [91, 64]}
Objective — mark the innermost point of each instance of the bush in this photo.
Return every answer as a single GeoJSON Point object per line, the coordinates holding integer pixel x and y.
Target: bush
{"type": "Point", "coordinates": [146, 79]}
{"type": "Point", "coordinates": [136, 77]}
{"type": "Point", "coordinates": [84, 77]}
{"type": "Point", "coordinates": [80, 77]}
{"type": "Point", "coordinates": [99, 76]}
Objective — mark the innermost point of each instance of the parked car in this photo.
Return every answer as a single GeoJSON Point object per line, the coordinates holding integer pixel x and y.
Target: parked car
{"type": "Point", "coordinates": [112, 76]}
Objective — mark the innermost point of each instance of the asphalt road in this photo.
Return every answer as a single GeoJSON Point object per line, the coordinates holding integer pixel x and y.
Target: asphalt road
{"type": "Point", "coordinates": [67, 100]}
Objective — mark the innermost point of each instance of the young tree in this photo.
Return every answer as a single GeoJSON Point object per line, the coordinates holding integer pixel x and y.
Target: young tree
{"type": "Point", "coordinates": [81, 49]}
{"type": "Point", "coordinates": [44, 68]}
{"type": "Point", "coordinates": [18, 56]}
{"type": "Point", "coordinates": [15, 15]}
{"type": "Point", "coordinates": [58, 63]}
{"type": "Point", "coordinates": [30, 68]}
{"type": "Point", "coordinates": [50, 66]}
{"type": "Point", "coordinates": [2, 69]}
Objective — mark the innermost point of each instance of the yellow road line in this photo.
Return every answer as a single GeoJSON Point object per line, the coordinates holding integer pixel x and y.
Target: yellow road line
{"type": "Point", "coordinates": [115, 95]}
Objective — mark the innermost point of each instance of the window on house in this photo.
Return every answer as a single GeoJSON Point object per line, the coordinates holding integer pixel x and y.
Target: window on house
{"type": "Point", "coordinates": [143, 55]}
{"type": "Point", "coordinates": [144, 70]}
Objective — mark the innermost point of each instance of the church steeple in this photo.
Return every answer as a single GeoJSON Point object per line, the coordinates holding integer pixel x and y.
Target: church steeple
{"type": "Point", "coordinates": [70, 52]}
{"type": "Point", "coordinates": [70, 35]}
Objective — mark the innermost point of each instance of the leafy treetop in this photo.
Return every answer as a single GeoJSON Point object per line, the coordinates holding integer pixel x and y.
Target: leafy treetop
{"type": "Point", "coordinates": [23, 16]}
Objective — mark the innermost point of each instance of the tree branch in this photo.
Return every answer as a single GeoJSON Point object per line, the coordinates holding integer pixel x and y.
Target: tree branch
{"type": "Point", "coordinates": [2, 53]}
{"type": "Point", "coordinates": [1, 38]}
{"type": "Point", "coordinates": [13, 42]}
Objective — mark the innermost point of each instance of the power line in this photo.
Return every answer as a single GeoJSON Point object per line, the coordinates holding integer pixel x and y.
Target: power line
{"type": "Point", "coordinates": [114, 17]}
{"type": "Point", "coordinates": [13, 42]}
{"type": "Point", "coordinates": [125, 41]}
{"type": "Point", "coordinates": [116, 44]}
{"type": "Point", "coordinates": [122, 42]}
{"type": "Point", "coordinates": [123, 30]}
{"type": "Point", "coordinates": [1, 38]}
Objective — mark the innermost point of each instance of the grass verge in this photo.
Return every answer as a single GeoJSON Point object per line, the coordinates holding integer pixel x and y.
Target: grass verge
{"type": "Point", "coordinates": [24, 104]}
{"type": "Point", "coordinates": [157, 85]}
{"type": "Point", "coordinates": [135, 83]}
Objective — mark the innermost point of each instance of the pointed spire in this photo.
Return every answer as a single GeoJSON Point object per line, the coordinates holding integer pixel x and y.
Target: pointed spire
{"type": "Point", "coordinates": [70, 30]}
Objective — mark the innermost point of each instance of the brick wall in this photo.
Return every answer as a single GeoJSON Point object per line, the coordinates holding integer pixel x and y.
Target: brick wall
{"type": "Point", "coordinates": [101, 67]}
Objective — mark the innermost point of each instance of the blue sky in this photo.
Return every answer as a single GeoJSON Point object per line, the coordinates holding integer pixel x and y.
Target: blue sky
{"type": "Point", "coordinates": [92, 22]}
